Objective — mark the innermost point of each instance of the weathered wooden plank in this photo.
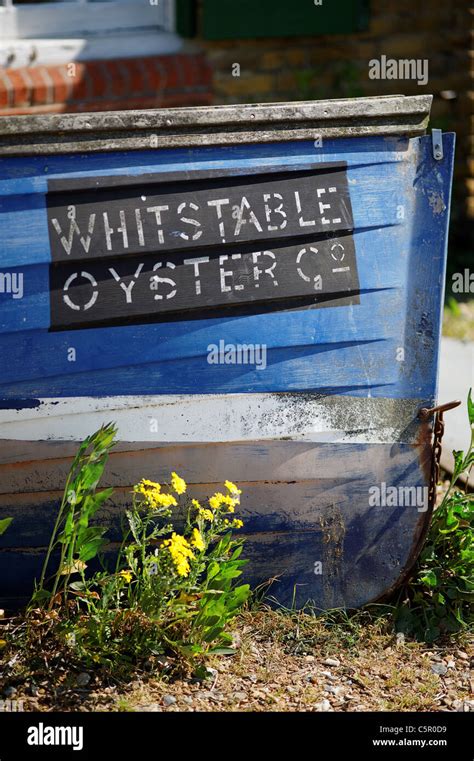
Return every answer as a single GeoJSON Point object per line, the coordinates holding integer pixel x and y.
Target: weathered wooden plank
{"type": "Point", "coordinates": [201, 418]}
{"type": "Point", "coordinates": [131, 130]}
{"type": "Point", "coordinates": [256, 461]}
{"type": "Point", "coordinates": [354, 568]}
{"type": "Point", "coordinates": [265, 506]}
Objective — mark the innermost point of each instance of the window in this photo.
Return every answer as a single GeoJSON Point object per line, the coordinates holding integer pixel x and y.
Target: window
{"type": "Point", "coordinates": [60, 31]}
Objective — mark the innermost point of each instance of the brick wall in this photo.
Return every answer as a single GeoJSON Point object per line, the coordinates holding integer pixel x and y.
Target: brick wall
{"type": "Point", "coordinates": [182, 79]}
{"type": "Point", "coordinates": [333, 66]}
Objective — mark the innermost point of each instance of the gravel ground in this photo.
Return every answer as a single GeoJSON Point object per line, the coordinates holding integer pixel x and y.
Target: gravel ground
{"type": "Point", "coordinates": [284, 663]}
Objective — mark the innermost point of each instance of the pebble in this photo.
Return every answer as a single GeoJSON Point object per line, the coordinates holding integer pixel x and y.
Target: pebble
{"type": "Point", "coordinates": [309, 658]}
{"type": "Point", "coordinates": [239, 696]}
{"type": "Point", "coordinates": [400, 638]}
{"type": "Point", "coordinates": [208, 695]}
{"type": "Point", "coordinates": [461, 654]}
{"type": "Point", "coordinates": [216, 696]}
{"type": "Point", "coordinates": [331, 662]}
{"type": "Point", "coordinates": [187, 699]}
{"type": "Point", "coordinates": [439, 668]}
{"type": "Point", "coordinates": [169, 700]}
{"type": "Point", "coordinates": [333, 690]}
{"type": "Point", "coordinates": [323, 706]}
{"type": "Point", "coordinates": [451, 665]}
{"type": "Point", "coordinates": [83, 679]}
{"type": "Point", "coordinates": [151, 708]}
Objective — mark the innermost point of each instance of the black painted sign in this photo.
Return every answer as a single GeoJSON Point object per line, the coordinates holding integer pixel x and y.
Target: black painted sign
{"type": "Point", "coordinates": [181, 245]}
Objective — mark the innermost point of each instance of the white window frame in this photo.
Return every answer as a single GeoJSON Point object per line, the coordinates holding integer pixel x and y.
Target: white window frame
{"type": "Point", "coordinates": [78, 30]}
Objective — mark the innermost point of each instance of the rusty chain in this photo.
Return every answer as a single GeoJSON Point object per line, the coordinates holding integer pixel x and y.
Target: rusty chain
{"type": "Point", "coordinates": [438, 431]}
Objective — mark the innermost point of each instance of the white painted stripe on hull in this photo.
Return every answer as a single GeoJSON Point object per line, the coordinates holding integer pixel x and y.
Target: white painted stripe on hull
{"type": "Point", "coordinates": [217, 418]}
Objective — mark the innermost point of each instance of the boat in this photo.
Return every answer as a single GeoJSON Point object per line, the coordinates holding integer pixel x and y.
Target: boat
{"type": "Point", "coordinates": [250, 293]}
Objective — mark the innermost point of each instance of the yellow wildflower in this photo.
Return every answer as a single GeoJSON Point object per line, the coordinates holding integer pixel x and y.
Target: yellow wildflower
{"type": "Point", "coordinates": [218, 500]}
{"type": "Point", "coordinates": [164, 500]}
{"type": "Point", "coordinates": [146, 484]}
{"type": "Point", "coordinates": [232, 488]}
{"type": "Point", "coordinates": [197, 540]}
{"type": "Point", "coordinates": [153, 498]}
{"type": "Point", "coordinates": [196, 504]}
{"type": "Point", "coordinates": [127, 575]}
{"type": "Point", "coordinates": [178, 484]}
{"type": "Point", "coordinates": [236, 523]}
{"type": "Point", "coordinates": [208, 515]}
{"type": "Point", "coordinates": [180, 551]}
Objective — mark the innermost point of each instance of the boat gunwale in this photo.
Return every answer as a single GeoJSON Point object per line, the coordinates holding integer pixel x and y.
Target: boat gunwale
{"type": "Point", "coordinates": [46, 134]}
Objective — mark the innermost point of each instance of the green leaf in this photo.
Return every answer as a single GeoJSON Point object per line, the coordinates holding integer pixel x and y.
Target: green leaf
{"type": "Point", "coordinates": [429, 579]}
{"type": "Point", "coordinates": [4, 524]}
{"type": "Point", "coordinates": [470, 407]}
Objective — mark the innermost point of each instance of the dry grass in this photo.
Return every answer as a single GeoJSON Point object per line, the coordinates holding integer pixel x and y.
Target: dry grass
{"type": "Point", "coordinates": [281, 665]}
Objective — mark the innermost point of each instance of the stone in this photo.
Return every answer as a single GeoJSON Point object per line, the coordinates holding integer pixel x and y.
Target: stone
{"type": "Point", "coordinates": [439, 668]}
{"type": "Point", "coordinates": [169, 700]}
{"type": "Point", "coordinates": [323, 706]}
{"type": "Point", "coordinates": [83, 679]}
{"type": "Point", "coordinates": [333, 690]}
{"type": "Point", "coordinates": [331, 662]}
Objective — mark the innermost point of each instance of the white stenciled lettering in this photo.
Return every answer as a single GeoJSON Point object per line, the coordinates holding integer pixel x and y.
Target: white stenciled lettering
{"type": "Point", "coordinates": [302, 222]}
{"type": "Point", "coordinates": [218, 203]}
{"type": "Point", "coordinates": [156, 210]}
{"type": "Point", "coordinates": [126, 288]}
{"type": "Point", "coordinates": [224, 274]}
{"type": "Point", "coordinates": [268, 271]}
{"type": "Point", "coordinates": [68, 301]}
{"type": "Point", "coordinates": [155, 280]}
{"type": "Point", "coordinates": [189, 221]}
{"type": "Point", "coordinates": [245, 206]}
{"type": "Point", "coordinates": [139, 221]}
{"type": "Point", "coordinates": [196, 262]}
{"type": "Point", "coordinates": [277, 210]}
{"type": "Point", "coordinates": [317, 279]}
{"type": "Point", "coordinates": [74, 229]}
{"type": "Point", "coordinates": [109, 231]}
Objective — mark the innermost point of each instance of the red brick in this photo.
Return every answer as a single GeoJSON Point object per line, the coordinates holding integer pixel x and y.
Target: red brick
{"type": "Point", "coordinates": [116, 75]}
{"type": "Point", "coordinates": [21, 90]}
{"type": "Point", "coordinates": [180, 79]}
{"type": "Point", "coordinates": [137, 76]}
{"type": "Point", "coordinates": [62, 88]}
{"type": "Point", "coordinates": [39, 95]}
{"type": "Point", "coordinates": [80, 85]}
{"type": "Point", "coordinates": [6, 90]}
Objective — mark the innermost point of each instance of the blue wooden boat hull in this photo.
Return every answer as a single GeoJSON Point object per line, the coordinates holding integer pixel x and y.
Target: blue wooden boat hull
{"type": "Point", "coordinates": [331, 416]}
